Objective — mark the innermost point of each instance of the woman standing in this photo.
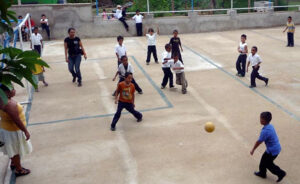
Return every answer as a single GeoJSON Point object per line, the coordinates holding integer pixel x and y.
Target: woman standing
{"type": "Point", "coordinates": [14, 133]}
{"type": "Point", "coordinates": [73, 51]}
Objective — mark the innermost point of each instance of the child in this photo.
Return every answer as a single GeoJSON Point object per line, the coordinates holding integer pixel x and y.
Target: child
{"type": "Point", "coordinates": [120, 49]}
{"type": "Point", "coordinates": [290, 26]}
{"type": "Point", "coordinates": [124, 68]}
{"type": "Point", "coordinates": [151, 45]}
{"type": "Point", "coordinates": [104, 15]}
{"type": "Point", "coordinates": [255, 61]}
{"type": "Point", "coordinates": [243, 50]}
{"type": "Point", "coordinates": [178, 67]}
{"type": "Point", "coordinates": [126, 91]}
{"type": "Point", "coordinates": [168, 75]}
{"type": "Point", "coordinates": [175, 42]}
{"type": "Point", "coordinates": [45, 25]}
{"type": "Point", "coordinates": [39, 74]}
{"type": "Point", "coordinates": [36, 40]}
{"type": "Point", "coordinates": [138, 22]}
{"type": "Point", "coordinates": [269, 136]}
{"type": "Point", "coordinates": [120, 17]}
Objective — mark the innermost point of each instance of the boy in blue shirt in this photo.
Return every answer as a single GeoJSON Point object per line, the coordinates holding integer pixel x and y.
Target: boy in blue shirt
{"type": "Point", "coordinates": [269, 136]}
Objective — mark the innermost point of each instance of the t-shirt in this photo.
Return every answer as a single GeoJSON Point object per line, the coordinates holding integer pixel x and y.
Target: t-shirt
{"type": "Point", "coordinates": [138, 18]}
{"type": "Point", "coordinates": [254, 59]}
{"type": "Point", "coordinates": [175, 42]}
{"type": "Point", "coordinates": [178, 64]}
{"type": "Point", "coordinates": [242, 47]}
{"type": "Point", "coordinates": [73, 46]}
{"type": "Point", "coordinates": [120, 50]}
{"type": "Point", "coordinates": [151, 39]}
{"type": "Point", "coordinates": [38, 69]}
{"type": "Point", "coordinates": [269, 136]}
{"type": "Point", "coordinates": [36, 39]}
{"type": "Point", "coordinates": [126, 92]}
{"type": "Point", "coordinates": [166, 54]}
{"type": "Point", "coordinates": [291, 27]}
{"type": "Point", "coordinates": [122, 70]}
{"type": "Point", "coordinates": [45, 20]}
{"type": "Point", "coordinates": [31, 23]}
{"type": "Point", "coordinates": [118, 14]}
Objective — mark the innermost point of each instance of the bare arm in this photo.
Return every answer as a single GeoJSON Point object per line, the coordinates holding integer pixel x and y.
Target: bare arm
{"type": "Point", "coordinates": [117, 95]}
{"type": "Point", "coordinates": [246, 49]}
{"type": "Point", "coordinates": [285, 29]}
{"type": "Point", "coordinates": [254, 147]}
{"type": "Point", "coordinates": [248, 64]}
{"type": "Point", "coordinates": [66, 52]}
{"type": "Point", "coordinates": [81, 46]}
{"type": "Point", "coordinates": [178, 68]}
{"type": "Point", "coordinates": [118, 57]}
{"type": "Point", "coordinates": [117, 73]}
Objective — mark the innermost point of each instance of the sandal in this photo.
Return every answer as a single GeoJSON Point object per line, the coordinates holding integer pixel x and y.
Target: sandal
{"type": "Point", "coordinates": [23, 172]}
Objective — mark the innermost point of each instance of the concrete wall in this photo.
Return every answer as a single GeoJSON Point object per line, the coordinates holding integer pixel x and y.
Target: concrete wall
{"type": "Point", "coordinates": [80, 16]}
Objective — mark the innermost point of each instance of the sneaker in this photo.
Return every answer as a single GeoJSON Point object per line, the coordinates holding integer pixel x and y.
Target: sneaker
{"type": "Point", "coordinates": [46, 84]}
{"type": "Point", "coordinates": [267, 81]}
{"type": "Point", "coordinates": [113, 128]}
{"type": "Point", "coordinates": [79, 84]}
{"type": "Point", "coordinates": [260, 175]}
{"type": "Point", "coordinates": [141, 92]}
{"type": "Point", "coordinates": [162, 87]}
{"type": "Point", "coordinates": [252, 86]}
{"type": "Point", "coordinates": [74, 79]}
{"type": "Point", "coordinates": [172, 86]}
{"type": "Point", "coordinates": [281, 177]}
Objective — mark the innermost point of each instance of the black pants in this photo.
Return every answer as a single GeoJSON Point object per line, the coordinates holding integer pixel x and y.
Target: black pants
{"type": "Point", "coordinates": [177, 51]}
{"type": "Point", "coordinates": [151, 49]}
{"type": "Point", "coordinates": [290, 37]}
{"type": "Point", "coordinates": [122, 19]}
{"type": "Point", "coordinates": [46, 27]}
{"type": "Point", "coordinates": [139, 29]}
{"type": "Point", "coordinates": [241, 64]}
{"type": "Point", "coordinates": [136, 86]}
{"type": "Point", "coordinates": [168, 75]}
{"type": "Point", "coordinates": [267, 162]}
{"type": "Point", "coordinates": [129, 107]}
{"type": "Point", "coordinates": [37, 48]}
{"type": "Point", "coordinates": [255, 75]}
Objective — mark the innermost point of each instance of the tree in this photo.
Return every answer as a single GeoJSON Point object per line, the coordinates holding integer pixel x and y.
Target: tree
{"type": "Point", "coordinates": [17, 64]}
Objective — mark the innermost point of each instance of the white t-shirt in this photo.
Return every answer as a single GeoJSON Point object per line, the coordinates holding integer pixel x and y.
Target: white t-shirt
{"type": "Point", "coordinates": [178, 64]}
{"type": "Point", "coordinates": [122, 70]}
{"type": "Point", "coordinates": [166, 55]}
{"type": "Point", "coordinates": [254, 60]}
{"type": "Point", "coordinates": [242, 47]}
{"type": "Point", "coordinates": [120, 50]}
{"type": "Point", "coordinates": [118, 14]}
{"type": "Point", "coordinates": [45, 20]}
{"type": "Point", "coordinates": [36, 39]}
{"type": "Point", "coordinates": [138, 18]}
{"type": "Point", "coordinates": [151, 39]}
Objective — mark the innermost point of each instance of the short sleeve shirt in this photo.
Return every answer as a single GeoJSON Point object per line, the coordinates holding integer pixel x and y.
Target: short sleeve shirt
{"type": "Point", "coordinates": [178, 64]}
{"type": "Point", "coordinates": [254, 59]}
{"type": "Point", "coordinates": [122, 70]}
{"type": "Point", "coordinates": [120, 50]}
{"type": "Point", "coordinates": [151, 39]}
{"type": "Point", "coordinates": [73, 46]}
{"type": "Point", "coordinates": [138, 18]}
{"type": "Point", "coordinates": [269, 136]}
{"type": "Point", "coordinates": [164, 56]}
{"type": "Point", "coordinates": [175, 42]}
{"type": "Point", "coordinates": [126, 92]}
{"type": "Point", "coordinates": [36, 39]}
{"type": "Point", "coordinates": [291, 27]}
{"type": "Point", "coordinates": [46, 20]}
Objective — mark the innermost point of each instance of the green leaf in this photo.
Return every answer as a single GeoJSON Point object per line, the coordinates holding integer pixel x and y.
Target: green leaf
{"type": "Point", "coordinates": [8, 78]}
{"type": "Point", "coordinates": [3, 97]}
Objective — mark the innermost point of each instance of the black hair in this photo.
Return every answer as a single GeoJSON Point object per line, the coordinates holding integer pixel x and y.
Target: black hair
{"type": "Point", "coordinates": [127, 74]}
{"type": "Point", "coordinates": [150, 30]}
{"type": "Point", "coordinates": [35, 28]}
{"type": "Point", "coordinates": [43, 15]}
{"type": "Point", "coordinates": [175, 31]}
{"type": "Point", "coordinates": [4, 88]}
{"type": "Point", "coordinates": [71, 29]}
{"type": "Point", "coordinates": [254, 47]}
{"type": "Point", "coordinates": [120, 38]}
{"type": "Point", "coordinates": [289, 17]}
{"type": "Point", "coordinates": [267, 116]}
{"type": "Point", "coordinates": [137, 11]}
{"type": "Point", "coordinates": [20, 16]}
{"type": "Point", "coordinates": [244, 36]}
{"type": "Point", "coordinates": [167, 46]}
{"type": "Point", "coordinates": [123, 57]}
{"type": "Point", "coordinates": [175, 54]}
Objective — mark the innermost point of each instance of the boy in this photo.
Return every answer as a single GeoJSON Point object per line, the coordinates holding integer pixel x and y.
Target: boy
{"type": "Point", "coordinates": [126, 100]}
{"type": "Point", "coordinates": [290, 26]}
{"type": "Point", "coordinates": [45, 25]}
{"type": "Point", "coordinates": [168, 75]}
{"type": "Point", "coordinates": [255, 61]}
{"type": "Point", "coordinates": [269, 136]}
{"type": "Point", "coordinates": [178, 67]}
{"type": "Point", "coordinates": [39, 74]}
{"type": "Point", "coordinates": [138, 22]}
{"type": "Point", "coordinates": [241, 61]}
{"type": "Point", "coordinates": [120, 17]}
{"type": "Point", "coordinates": [124, 68]}
{"type": "Point", "coordinates": [151, 45]}
{"type": "Point", "coordinates": [36, 40]}
{"type": "Point", "coordinates": [175, 42]}
{"type": "Point", "coordinates": [120, 49]}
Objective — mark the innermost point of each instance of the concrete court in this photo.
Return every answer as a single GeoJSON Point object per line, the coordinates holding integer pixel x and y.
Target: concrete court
{"type": "Point", "coordinates": [70, 125]}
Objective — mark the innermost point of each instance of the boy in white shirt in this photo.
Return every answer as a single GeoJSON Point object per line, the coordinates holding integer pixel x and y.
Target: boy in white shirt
{"type": "Point", "coordinates": [36, 41]}
{"type": "Point", "coordinates": [45, 25]}
{"type": "Point", "coordinates": [178, 67]}
{"type": "Point", "coordinates": [152, 45]}
{"type": "Point", "coordinates": [241, 61]}
{"type": "Point", "coordinates": [120, 49]}
{"type": "Point", "coordinates": [120, 17]}
{"type": "Point", "coordinates": [255, 60]}
{"type": "Point", "coordinates": [138, 22]}
{"type": "Point", "coordinates": [168, 75]}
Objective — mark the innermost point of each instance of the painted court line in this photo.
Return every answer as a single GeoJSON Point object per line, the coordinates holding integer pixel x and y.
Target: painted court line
{"type": "Point", "coordinates": [160, 92]}
{"type": "Point", "coordinates": [246, 85]}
